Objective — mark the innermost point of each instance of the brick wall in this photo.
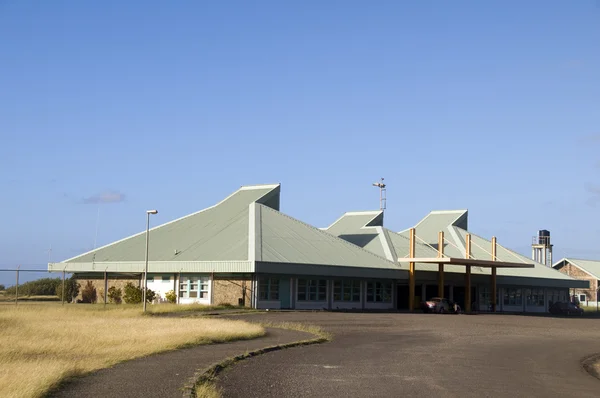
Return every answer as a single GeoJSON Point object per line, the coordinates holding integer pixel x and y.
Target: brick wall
{"type": "Point", "coordinates": [575, 272]}
{"type": "Point", "coordinates": [230, 291]}
{"type": "Point", "coordinates": [98, 283]}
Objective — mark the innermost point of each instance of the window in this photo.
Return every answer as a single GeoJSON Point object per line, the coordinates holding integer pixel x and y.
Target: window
{"type": "Point", "coordinates": [268, 288]}
{"type": "Point", "coordinates": [312, 290]}
{"type": "Point", "coordinates": [582, 297]}
{"type": "Point", "coordinates": [512, 297]}
{"type": "Point", "coordinates": [485, 297]}
{"type": "Point", "coordinates": [535, 297]}
{"type": "Point", "coordinates": [346, 290]}
{"type": "Point", "coordinates": [193, 287]}
{"type": "Point", "coordinates": [379, 292]}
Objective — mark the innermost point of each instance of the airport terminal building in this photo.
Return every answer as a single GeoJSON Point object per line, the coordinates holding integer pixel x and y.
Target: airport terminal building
{"type": "Point", "coordinates": [244, 251]}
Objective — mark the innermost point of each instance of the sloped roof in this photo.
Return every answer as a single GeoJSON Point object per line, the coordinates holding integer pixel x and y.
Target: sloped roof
{"type": "Point", "coordinates": [592, 267]}
{"type": "Point", "coordinates": [218, 233]}
{"type": "Point", "coordinates": [283, 239]}
{"type": "Point", "coordinates": [244, 228]}
{"type": "Point", "coordinates": [360, 228]}
{"type": "Point", "coordinates": [453, 223]}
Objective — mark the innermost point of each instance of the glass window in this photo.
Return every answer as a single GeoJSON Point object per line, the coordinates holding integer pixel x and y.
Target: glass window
{"type": "Point", "coordinates": [268, 288]}
{"type": "Point", "coordinates": [535, 297]}
{"type": "Point", "coordinates": [379, 292]}
{"type": "Point", "coordinates": [312, 290]}
{"type": "Point", "coordinates": [512, 297]}
{"type": "Point", "coordinates": [346, 290]}
{"type": "Point", "coordinates": [193, 287]}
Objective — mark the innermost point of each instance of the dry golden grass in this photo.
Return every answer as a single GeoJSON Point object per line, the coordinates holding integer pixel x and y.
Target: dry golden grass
{"type": "Point", "coordinates": [42, 345]}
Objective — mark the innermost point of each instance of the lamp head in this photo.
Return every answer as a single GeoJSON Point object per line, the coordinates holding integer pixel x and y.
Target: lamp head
{"type": "Point", "coordinates": [151, 211]}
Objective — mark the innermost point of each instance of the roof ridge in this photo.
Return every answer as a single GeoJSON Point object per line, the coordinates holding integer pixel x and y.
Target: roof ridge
{"type": "Point", "coordinates": [258, 186]}
{"type": "Point", "coordinates": [172, 221]}
{"type": "Point", "coordinates": [355, 213]}
{"type": "Point", "coordinates": [337, 238]}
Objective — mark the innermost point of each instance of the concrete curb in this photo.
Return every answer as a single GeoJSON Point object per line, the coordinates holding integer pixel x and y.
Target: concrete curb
{"type": "Point", "coordinates": [211, 372]}
{"type": "Point", "coordinates": [589, 363]}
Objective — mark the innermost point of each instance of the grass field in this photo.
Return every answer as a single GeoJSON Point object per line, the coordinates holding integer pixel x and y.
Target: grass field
{"type": "Point", "coordinates": [44, 344]}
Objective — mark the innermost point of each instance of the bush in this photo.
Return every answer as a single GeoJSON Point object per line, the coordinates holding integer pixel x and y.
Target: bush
{"type": "Point", "coordinates": [40, 287]}
{"type": "Point", "coordinates": [114, 295]}
{"type": "Point", "coordinates": [71, 289]}
{"type": "Point", "coordinates": [88, 293]}
{"type": "Point", "coordinates": [133, 294]}
{"type": "Point", "coordinates": [171, 296]}
{"type": "Point", "coordinates": [2, 287]}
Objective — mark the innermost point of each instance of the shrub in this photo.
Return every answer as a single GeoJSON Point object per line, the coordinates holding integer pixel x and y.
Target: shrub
{"type": "Point", "coordinates": [71, 289]}
{"type": "Point", "coordinates": [2, 287]}
{"type": "Point", "coordinates": [133, 294]}
{"type": "Point", "coordinates": [88, 293]}
{"type": "Point", "coordinates": [171, 296]}
{"type": "Point", "coordinates": [114, 295]}
{"type": "Point", "coordinates": [40, 287]}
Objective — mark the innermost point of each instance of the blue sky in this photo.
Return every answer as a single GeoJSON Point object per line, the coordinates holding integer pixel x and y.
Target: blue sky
{"type": "Point", "coordinates": [124, 106]}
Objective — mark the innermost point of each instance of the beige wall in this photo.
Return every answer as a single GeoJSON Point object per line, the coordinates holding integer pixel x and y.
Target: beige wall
{"type": "Point", "coordinates": [229, 291]}
{"type": "Point", "coordinates": [575, 272]}
{"type": "Point", "coordinates": [99, 285]}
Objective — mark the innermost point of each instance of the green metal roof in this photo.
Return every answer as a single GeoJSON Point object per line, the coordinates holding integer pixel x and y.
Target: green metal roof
{"type": "Point", "coordinates": [453, 223]}
{"type": "Point", "coordinates": [283, 239]}
{"type": "Point", "coordinates": [218, 233]}
{"type": "Point", "coordinates": [592, 267]}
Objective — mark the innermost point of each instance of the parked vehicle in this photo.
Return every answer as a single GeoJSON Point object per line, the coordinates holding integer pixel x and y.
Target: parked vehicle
{"type": "Point", "coordinates": [440, 305]}
{"type": "Point", "coordinates": [565, 308]}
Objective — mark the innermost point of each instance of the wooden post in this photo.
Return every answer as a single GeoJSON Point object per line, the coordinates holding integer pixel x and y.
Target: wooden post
{"type": "Point", "coordinates": [440, 265]}
{"type": "Point", "coordinates": [411, 272]}
{"type": "Point", "coordinates": [468, 276]}
{"type": "Point", "coordinates": [494, 289]}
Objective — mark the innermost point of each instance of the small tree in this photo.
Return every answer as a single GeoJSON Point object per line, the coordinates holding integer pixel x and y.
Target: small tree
{"type": "Point", "coordinates": [89, 294]}
{"type": "Point", "coordinates": [71, 289]}
{"type": "Point", "coordinates": [2, 287]}
{"type": "Point", "coordinates": [132, 294]}
{"type": "Point", "coordinates": [114, 295]}
{"type": "Point", "coordinates": [171, 296]}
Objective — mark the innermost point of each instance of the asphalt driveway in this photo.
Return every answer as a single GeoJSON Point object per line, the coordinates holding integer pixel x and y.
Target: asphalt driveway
{"type": "Point", "coordinates": [425, 355]}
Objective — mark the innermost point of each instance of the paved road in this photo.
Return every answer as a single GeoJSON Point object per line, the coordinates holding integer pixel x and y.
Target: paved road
{"type": "Point", "coordinates": [393, 355]}
{"type": "Point", "coordinates": [163, 375]}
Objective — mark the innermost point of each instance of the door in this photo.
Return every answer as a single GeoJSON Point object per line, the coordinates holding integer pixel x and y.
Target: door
{"type": "Point", "coordinates": [284, 293]}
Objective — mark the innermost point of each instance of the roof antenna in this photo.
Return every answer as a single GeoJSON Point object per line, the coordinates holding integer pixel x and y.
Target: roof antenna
{"type": "Point", "coordinates": [382, 194]}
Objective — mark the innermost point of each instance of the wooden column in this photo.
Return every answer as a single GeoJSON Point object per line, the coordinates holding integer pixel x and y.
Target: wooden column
{"type": "Point", "coordinates": [494, 290]}
{"type": "Point", "coordinates": [468, 276]}
{"type": "Point", "coordinates": [440, 265]}
{"type": "Point", "coordinates": [411, 272]}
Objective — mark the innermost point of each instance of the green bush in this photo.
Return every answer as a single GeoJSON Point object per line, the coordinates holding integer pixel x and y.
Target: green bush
{"type": "Point", "coordinates": [88, 293]}
{"type": "Point", "coordinates": [71, 289]}
{"type": "Point", "coordinates": [115, 295]}
{"type": "Point", "coordinates": [171, 296]}
{"type": "Point", "coordinates": [40, 287]}
{"type": "Point", "coordinates": [2, 287]}
{"type": "Point", "coordinates": [133, 294]}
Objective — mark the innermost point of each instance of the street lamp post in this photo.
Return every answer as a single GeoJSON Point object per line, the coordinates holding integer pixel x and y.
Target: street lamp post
{"type": "Point", "coordinates": [148, 212]}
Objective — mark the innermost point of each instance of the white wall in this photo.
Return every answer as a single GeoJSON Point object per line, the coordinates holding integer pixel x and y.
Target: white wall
{"type": "Point", "coordinates": [346, 305]}
{"type": "Point", "coordinates": [270, 304]}
{"type": "Point", "coordinates": [311, 305]}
